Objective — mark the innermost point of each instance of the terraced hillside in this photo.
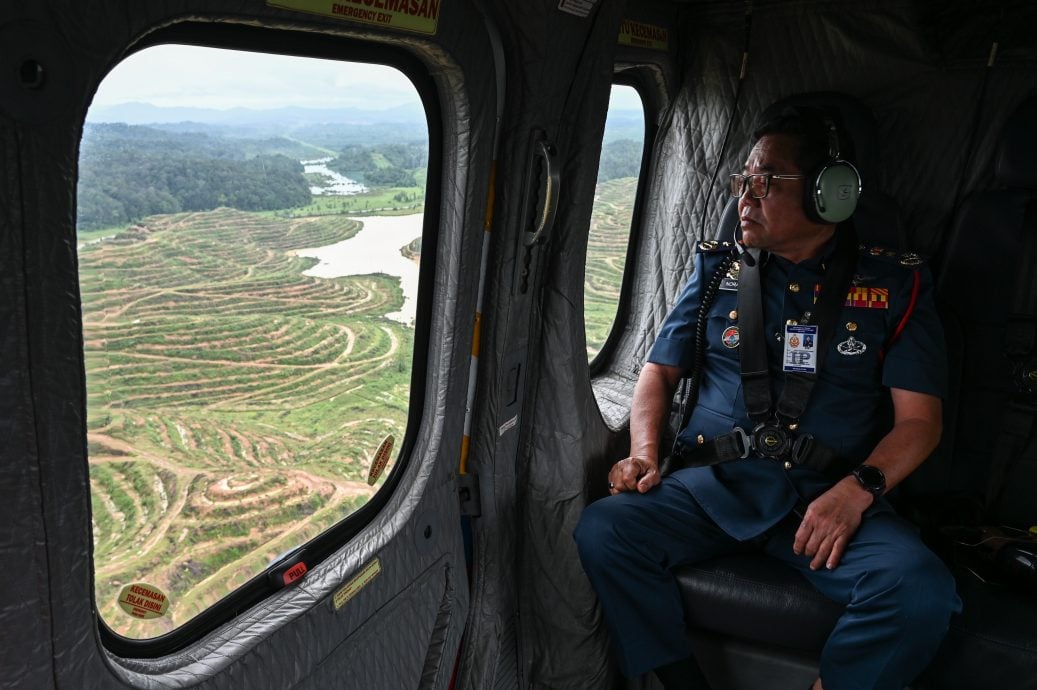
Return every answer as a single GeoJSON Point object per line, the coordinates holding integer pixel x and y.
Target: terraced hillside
{"type": "Point", "coordinates": [233, 402]}
{"type": "Point", "coordinates": [611, 216]}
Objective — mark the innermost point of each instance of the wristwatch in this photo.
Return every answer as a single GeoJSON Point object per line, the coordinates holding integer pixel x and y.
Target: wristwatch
{"type": "Point", "coordinates": [871, 479]}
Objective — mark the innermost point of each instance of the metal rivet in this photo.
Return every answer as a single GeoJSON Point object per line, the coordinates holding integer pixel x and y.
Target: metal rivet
{"type": "Point", "coordinates": [788, 465]}
{"type": "Point", "coordinates": [793, 287]}
{"type": "Point", "coordinates": [851, 326]}
{"type": "Point", "coordinates": [31, 74]}
{"type": "Point", "coordinates": [733, 315]}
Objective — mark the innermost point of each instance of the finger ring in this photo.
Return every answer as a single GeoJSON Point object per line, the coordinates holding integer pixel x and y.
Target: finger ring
{"type": "Point", "coordinates": [611, 485]}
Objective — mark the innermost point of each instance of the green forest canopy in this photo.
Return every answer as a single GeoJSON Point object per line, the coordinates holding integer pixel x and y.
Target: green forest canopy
{"type": "Point", "coordinates": [128, 172]}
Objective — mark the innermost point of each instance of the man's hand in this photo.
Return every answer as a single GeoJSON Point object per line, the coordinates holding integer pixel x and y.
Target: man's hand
{"type": "Point", "coordinates": [633, 474]}
{"type": "Point", "coordinates": [830, 522]}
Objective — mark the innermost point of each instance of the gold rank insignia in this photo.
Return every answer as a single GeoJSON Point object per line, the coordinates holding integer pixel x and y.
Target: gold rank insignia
{"type": "Point", "coordinates": [862, 297]}
{"type": "Point", "coordinates": [730, 281]}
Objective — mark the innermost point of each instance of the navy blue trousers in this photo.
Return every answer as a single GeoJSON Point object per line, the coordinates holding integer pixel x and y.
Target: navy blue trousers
{"type": "Point", "coordinates": [899, 597]}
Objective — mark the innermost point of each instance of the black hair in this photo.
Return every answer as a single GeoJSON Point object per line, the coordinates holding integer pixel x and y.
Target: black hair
{"type": "Point", "coordinates": [809, 128]}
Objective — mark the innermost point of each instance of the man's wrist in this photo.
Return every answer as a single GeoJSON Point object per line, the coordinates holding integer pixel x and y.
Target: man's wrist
{"type": "Point", "coordinates": [649, 454]}
{"type": "Point", "coordinates": [862, 498]}
{"type": "Point", "coordinates": [870, 478]}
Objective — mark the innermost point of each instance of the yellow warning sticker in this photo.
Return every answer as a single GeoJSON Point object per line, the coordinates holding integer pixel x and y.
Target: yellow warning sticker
{"type": "Point", "coordinates": [418, 16]}
{"type": "Point", "coordinates": [142, 600]}
{"type": "Point", "coordinates": [380, 459]}
{"type": "Point", "coordinates": [641, 35]}
{"type": "Point", "coordinates": [362, 579]}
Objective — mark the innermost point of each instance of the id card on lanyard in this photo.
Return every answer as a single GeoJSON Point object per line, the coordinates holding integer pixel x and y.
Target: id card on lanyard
{"type": "Point", "coordinates": [800, 349]}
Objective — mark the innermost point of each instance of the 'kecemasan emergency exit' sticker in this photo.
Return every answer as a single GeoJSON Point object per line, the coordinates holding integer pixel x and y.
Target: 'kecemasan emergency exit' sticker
{"type": "Point", "coordinates": [418, 16]}
{"type": "Point", "coordinates": [144, 601]}
{"type": "Point", "coordinates": [641, 35]}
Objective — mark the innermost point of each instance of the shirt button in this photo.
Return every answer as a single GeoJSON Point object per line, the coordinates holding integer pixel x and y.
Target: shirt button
{"type": "Point", "coordinates": [788, 465]}
{"type": "Point", "coordinates": [777, 336]}
{"type": "Point", "coordinates": [851, 326]}
{"type": "Point", "coordinates": [733, 315]}
{"type": "Point", "coordinates": [793, 287]}
{"type": "Point", "coordinates": [792, 322]}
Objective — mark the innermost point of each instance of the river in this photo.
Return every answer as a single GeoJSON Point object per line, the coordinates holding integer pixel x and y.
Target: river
{"type": "Point", "coordinates": [375, 249]}
{"type": "Point", "coordinates": [339, 185]}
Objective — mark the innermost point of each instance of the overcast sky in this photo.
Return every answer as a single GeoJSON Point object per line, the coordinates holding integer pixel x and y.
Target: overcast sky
{"type": "Point", "coordinates": [213, 78]}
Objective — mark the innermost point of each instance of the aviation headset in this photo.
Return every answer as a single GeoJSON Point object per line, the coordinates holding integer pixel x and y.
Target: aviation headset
{"type": "Point", "coordinates": [830, 190]}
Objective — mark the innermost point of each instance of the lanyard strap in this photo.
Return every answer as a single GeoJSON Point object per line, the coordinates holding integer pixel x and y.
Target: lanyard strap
{"type": "Point", "coordinates": [798, 385]}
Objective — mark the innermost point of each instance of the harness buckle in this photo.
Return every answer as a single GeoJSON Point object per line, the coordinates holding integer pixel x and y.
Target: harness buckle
{"type": "Point", "coordinates": [771, 440]}
{"type": "Point", "coordinates": [747, 442]}
{"type": "Point", "coordinates": [801, 448]}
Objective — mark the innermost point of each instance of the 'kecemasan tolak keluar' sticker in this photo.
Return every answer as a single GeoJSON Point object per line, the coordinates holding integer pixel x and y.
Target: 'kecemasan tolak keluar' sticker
{"type": "Point", "coordinates": [380, 459]}
{"type": "Point", "coordinates": [142, 600]}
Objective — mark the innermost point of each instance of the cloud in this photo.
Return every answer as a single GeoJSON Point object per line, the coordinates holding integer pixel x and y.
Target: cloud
{"type": "Point", "coordinates": [175, 75]}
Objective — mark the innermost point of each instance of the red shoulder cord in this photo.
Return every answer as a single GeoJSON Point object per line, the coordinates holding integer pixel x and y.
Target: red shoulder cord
{"type": "Point", "coordinates": [904, 319]}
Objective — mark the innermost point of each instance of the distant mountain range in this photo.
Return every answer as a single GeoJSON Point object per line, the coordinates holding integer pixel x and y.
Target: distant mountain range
{"type": "Point", "coordinates": [147, 114]}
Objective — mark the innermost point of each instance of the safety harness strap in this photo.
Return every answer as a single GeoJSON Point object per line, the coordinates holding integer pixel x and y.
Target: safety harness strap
{"type": "Point", "coordinates": [756, 386]}
{"type": "Point", "coordinates": [798, 385]}
{"type": "Point", "coordinates": [738, 444]}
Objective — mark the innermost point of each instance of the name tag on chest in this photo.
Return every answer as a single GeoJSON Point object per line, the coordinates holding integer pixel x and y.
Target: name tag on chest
{"type": "Point", "coordinates": [800, 349]}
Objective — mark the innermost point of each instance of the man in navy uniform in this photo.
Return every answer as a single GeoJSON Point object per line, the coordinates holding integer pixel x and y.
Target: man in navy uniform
{"type": "Point", "coordinates": [785, 450]}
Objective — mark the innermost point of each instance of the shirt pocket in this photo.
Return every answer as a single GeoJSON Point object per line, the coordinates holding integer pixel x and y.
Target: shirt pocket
{"type": "Point", "coordinates": [853, 355]}
{"type": "Point", "coordinates": [723, 334]}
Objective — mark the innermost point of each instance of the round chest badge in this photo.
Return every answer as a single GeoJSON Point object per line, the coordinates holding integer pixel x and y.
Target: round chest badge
{"type": "Point", "coordinates": [730, 337]}
{"type": "Point", "coordinates": [851, 347]}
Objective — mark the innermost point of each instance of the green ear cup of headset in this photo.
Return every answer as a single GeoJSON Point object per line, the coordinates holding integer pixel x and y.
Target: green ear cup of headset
{"type": "Point", "coordinates": [834, 193]}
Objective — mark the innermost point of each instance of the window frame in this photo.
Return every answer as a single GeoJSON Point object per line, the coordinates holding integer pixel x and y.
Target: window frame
{"type": "Point", "coordinates": [644, 79]}
{"type": "Point", "coordinates": [276, 41]}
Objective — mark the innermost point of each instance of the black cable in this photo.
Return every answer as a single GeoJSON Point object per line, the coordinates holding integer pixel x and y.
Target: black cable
{"type": "Point", "coordinates": [709, 296]}
{"type": "Point", "coordinates": [730, 121]}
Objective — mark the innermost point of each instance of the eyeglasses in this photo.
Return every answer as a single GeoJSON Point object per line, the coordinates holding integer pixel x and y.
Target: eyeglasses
{"type": "Point", "coordinates": [759, 185]}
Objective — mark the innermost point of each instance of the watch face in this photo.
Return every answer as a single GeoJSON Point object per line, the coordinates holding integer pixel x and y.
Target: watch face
{"type": "Point", "coordinates": [871, 478]}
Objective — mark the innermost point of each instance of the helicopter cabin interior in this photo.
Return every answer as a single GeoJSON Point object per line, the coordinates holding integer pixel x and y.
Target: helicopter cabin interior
{"type": "Point", "coordinates": [460, 570]}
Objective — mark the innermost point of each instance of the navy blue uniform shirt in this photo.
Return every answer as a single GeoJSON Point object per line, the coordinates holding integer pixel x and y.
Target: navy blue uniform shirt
{"type": "Point", "coordinates": [846, 408]}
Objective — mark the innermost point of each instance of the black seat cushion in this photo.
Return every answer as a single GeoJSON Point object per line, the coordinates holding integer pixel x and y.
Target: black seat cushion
{"type": "Point", "coordinates": [991, 644]}
{"type": "Point", "coordinates": [753, 597]}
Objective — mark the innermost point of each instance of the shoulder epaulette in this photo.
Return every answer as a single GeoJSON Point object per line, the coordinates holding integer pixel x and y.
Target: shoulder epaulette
{"type": "Point", "coordinates": [909, 259]}
{"type": "Point", "coordinates": [714, 246]}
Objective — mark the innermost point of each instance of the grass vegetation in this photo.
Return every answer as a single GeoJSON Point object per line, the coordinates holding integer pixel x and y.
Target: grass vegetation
{"type": "Point", "coordinates": [233, 402]}
{"type": "Point", "coordinates": [611, 217]}
{"type": "Point", "coordinates": [379, 201]}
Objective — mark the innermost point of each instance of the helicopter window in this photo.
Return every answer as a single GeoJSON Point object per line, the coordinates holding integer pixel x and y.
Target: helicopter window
{"type": "Point", "coordinates": [611, 218]}
{"type": "Point", "coordinates": [249, 232]}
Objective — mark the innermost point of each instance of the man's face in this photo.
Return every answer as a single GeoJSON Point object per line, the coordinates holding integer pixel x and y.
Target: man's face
{"type": "Point", "coordinates": [777, 223]}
